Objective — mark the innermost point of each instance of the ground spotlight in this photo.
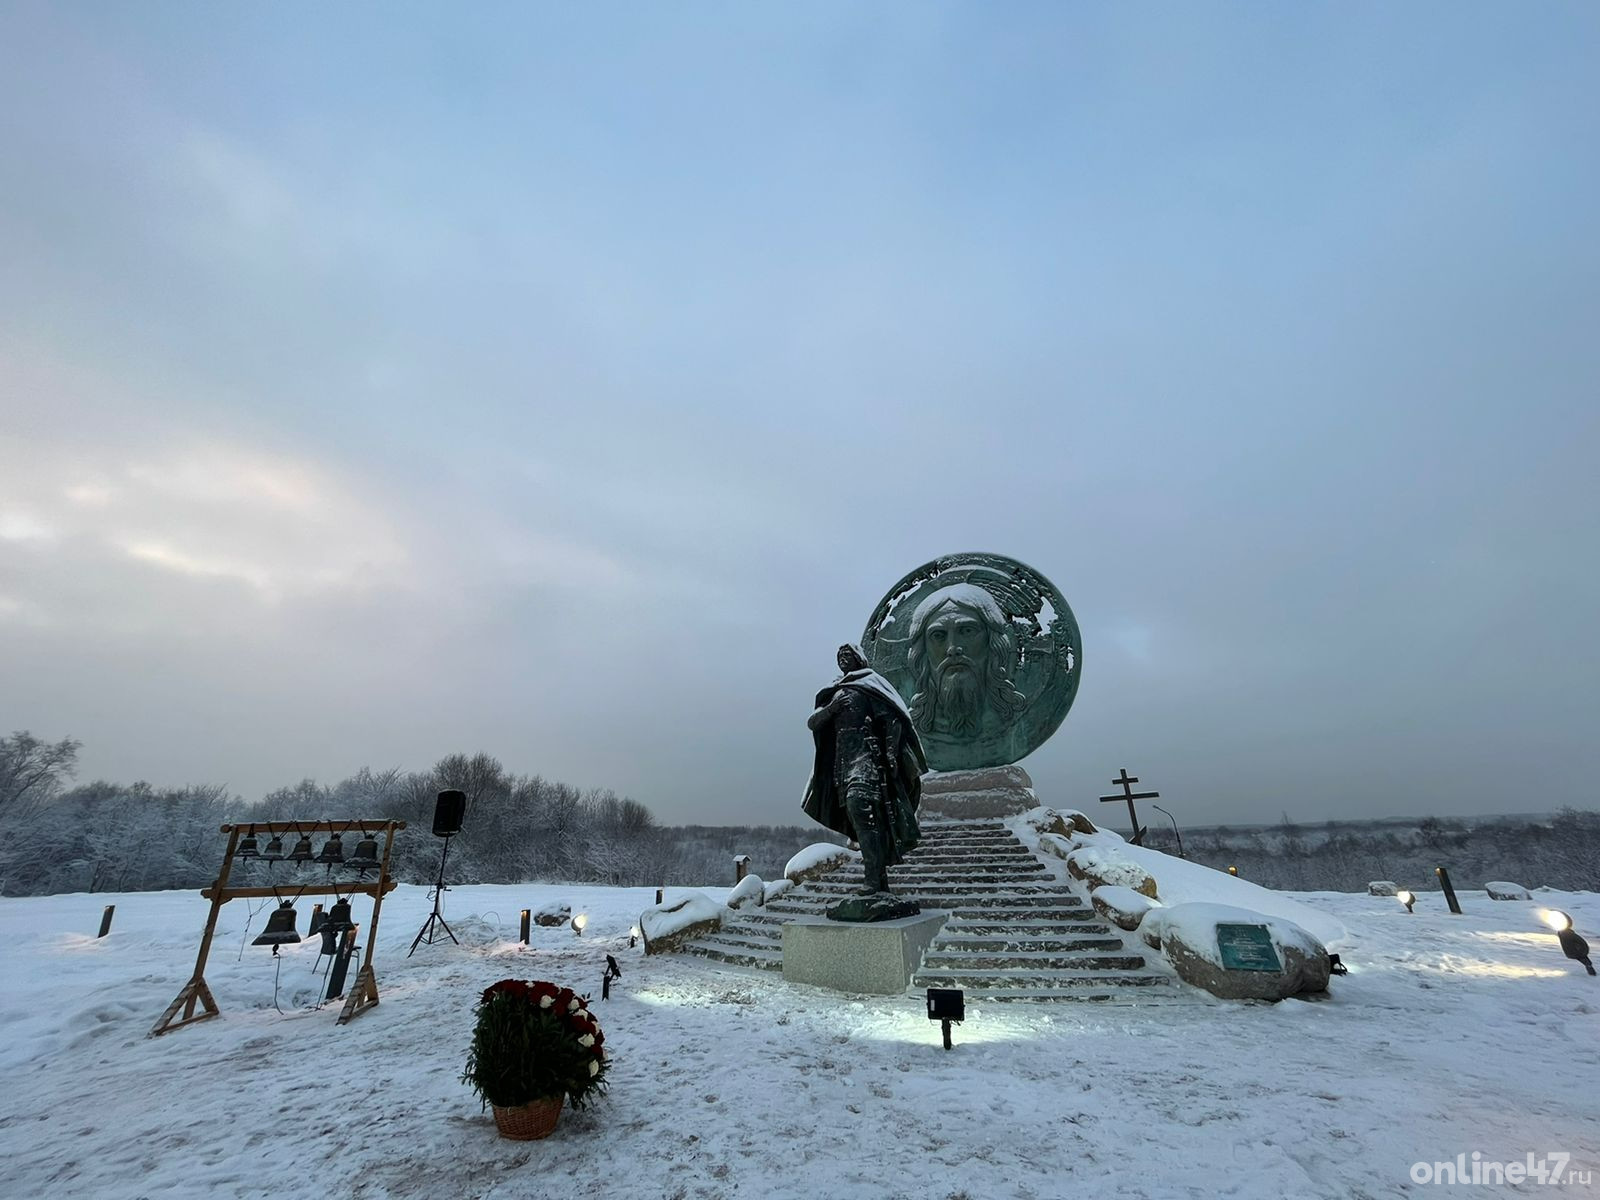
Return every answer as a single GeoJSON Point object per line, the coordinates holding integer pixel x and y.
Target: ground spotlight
{"type": "Point", "coordinates": [612, 972]}
{"type": "Point", "coordinates": [946, 1005]}
{"type": "Point", "coordinates": [578, 922]}
{"type": "Point", "coordinates": [1406, 898]}
{"type": "Point", "coordinates": [1572, 945]}
{"type": "Point", "coordinates": [633, 936]}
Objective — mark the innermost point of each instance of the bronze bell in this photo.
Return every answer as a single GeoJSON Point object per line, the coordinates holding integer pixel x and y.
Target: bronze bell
{"type": "Point", "coordinates": [302, 850]}
{"type": "Point", "coordinates": [332, 851]}
{"type": "Point", "coordinates": [274, 851]}
{"type": "Point", "coordinates": [338, 919]}
{"type": "Point", "coordinates": [247, 846]}
{"type": "Point", "coordinates": [280, 927]}
{"type": "Point", "coordinates": [366, 856]}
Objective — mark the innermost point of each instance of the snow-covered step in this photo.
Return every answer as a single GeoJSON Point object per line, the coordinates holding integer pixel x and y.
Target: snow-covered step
{"type": "Point", "coordinates": [964, 961]}
{"type": "Point", "coordinates": [992, 982]}
{"type": "Point", "coordinates": [1023, 918]}
{"type": "Point", "coordinates": [767, 960]}
{"type": "Point", "coordinates": [952, 943]}
{"type": "Point", "coordinates": [966, 873]}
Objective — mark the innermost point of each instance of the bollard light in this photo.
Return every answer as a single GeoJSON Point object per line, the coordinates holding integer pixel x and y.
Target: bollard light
{"type": "Point", "coordinates": [527, 920]}
{"type": "Point", "coordinates": [1405, 898]}
{"type": "Point", "coordinates": [578, 922]}
{"type": "Point", "coordinates": [1572, 945]}
{"type": "Point", "coordinates": [947, 1005]}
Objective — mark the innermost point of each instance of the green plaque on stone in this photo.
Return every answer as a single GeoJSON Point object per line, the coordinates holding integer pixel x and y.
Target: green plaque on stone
{"type": "Point", "coordinates": [1247, 948]}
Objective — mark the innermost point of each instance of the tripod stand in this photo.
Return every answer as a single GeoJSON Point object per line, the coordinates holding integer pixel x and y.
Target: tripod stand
{"type": "Point", "coordinates": [428, 930]}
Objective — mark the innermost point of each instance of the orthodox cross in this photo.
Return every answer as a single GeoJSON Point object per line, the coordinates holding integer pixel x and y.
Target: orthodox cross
{"type": "Point", "coordinates": [1126, 782]}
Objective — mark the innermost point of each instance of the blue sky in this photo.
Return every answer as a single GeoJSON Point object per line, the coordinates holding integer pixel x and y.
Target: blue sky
{"type": "Point", "coordinates": [566, 383]}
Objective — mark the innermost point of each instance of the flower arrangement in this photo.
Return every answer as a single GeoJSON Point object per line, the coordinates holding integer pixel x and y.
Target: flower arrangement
{"type": "Point", "coordinates": [535, 1041]}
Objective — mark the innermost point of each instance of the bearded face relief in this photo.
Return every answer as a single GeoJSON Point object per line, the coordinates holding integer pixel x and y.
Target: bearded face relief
{"type": "Point", "coordinates": [956, 646]}
{"type": "Point", "coordinates": [959, 657]}
{"type": "Point", "coordinates": [988, 652]}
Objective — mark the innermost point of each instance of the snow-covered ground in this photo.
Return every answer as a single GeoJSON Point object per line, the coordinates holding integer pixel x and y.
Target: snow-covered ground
{"type": "Point", "coordinates": [1450, 1035]}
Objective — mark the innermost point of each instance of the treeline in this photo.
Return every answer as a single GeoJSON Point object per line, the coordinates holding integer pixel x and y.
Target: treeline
{"type": "Point", "coordinates": [1344, 856]}
{"type": "Point", "coordinates": [134, 837]}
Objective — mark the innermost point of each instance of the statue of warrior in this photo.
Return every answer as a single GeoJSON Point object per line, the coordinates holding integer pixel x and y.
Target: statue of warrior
{"type": "Point", "coordinates": [867, 777]}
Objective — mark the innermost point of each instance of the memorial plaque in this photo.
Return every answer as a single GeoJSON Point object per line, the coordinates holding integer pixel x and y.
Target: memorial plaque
{"type": "Point", "coordinates": [1247, 948]}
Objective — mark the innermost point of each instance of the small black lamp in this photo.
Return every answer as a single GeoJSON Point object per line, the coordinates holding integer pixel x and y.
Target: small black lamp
{"type": "Point", "coordinates": [946, 1005]}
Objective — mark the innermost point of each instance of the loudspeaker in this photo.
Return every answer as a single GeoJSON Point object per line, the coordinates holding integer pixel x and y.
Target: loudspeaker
{"type": "Point", "coordinates": [447, 813]}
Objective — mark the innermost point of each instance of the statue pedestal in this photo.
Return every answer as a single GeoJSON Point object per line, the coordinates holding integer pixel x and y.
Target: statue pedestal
{"type": "Point", "coordinates": [987, 792]}
{"type": "Point", "coordinates": [878, 958]}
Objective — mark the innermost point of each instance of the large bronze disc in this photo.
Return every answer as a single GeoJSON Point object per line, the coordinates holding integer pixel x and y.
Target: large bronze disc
{"type": "Point", "coordinates": [986, 653]}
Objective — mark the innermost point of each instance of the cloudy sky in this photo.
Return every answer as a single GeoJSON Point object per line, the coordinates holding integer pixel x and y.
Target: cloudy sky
{"type": "Point", "coordinates": [382, 382]}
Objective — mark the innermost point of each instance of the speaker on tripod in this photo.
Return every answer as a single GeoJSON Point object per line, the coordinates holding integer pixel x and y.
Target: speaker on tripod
{"type": "Point", "coordinates": [448, 811]}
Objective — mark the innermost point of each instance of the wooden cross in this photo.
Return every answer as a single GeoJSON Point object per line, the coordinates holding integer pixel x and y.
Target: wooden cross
{"type": "Point", "coordinates": [1126, 782]}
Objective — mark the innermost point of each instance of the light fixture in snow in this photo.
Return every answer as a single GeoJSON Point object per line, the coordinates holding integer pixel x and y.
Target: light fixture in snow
{"type": "Point", "coordinates": [1572, 945]}
{"type": "Point", "coordinates": [1405, 898]}
{"type": "Point", "coordinates": [633, 936]}
{"type": "Point", "coordinates": [578, 922]}
{"type": "Point", "coordinates": [946, 1005]}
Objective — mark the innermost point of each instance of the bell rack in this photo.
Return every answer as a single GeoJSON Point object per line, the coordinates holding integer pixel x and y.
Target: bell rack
{"type": "Point", "coordinates": [363, 993]}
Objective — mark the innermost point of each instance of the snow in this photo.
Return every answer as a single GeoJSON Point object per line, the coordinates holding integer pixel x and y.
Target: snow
{"type": "Point", "coordinates": [815, 855]}
{"type": "Point", "coordinates": [1450, 1034]}
{"type": "Point", "coordinates": [1124, 899]}
{"type": "Point", "coordinates": [674, 916]}
{"type": "Point", "coordinates": [1179, 881]}
{"type": "Point", "coordinates": [749, 890]}
{"type": "Point", "coordinates": [1194, 923]}
{"type": "Point", "coordinates": [1499, 889]}
{"type": "Point", "coordinates": [1112, 866]}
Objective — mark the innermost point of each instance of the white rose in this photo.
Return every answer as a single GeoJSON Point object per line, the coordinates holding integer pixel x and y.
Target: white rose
{"type": "Point", "coordinates": [574, 1004]}
{"type": "Point", "coordinates": [594, 1067]}
{"type": "Point", "coordinates": [586, 1040]}
{"type": "Point", "coordinates": [546, 1001]}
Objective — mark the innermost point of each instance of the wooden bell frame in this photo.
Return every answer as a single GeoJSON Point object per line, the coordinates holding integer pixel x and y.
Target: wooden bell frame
{"type": "Point", "coordinates": [363, 994]}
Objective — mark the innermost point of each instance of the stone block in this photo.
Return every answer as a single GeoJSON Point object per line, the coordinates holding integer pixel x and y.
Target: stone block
{"type": "Point", "coordinates": [989, 792]}
{"type": "Point", "coordinates": [877, 958]}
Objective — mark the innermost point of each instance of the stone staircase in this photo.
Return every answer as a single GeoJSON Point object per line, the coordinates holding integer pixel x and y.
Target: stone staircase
{"type": "Point", "coordinates": [1015, 932]}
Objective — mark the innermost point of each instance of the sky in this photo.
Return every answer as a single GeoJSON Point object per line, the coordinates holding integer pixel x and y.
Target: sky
{"type": "Point", "coordinates": [567, 382]}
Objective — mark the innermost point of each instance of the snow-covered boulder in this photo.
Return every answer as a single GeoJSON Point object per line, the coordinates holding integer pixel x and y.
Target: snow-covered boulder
{"type": "Point", "coordinates": [749, 892]}
{"type": "Point", "coordinates": [1383, 887]}
{"type": "Point", "coordinates": [1187, 935]}
{"type": "Point", "coordinates": [1063, 822]}
{"type": "Point", "coordinates": [776, 888]}
{"type": "Point", "coordinates": [552, 914]}
{"type": "Point", "coordinates": [1055, 843]}
{"type": "Point", "coordinates": [1105, 867]}
{"type": "Point", "coordinates": [816, 860]}
{"type": "Point", "coordinates": [666, 927]}
{"type": "Point", "coordinates": [1499, 889]}
{"type": "Point", "coordinates": [1181, 880]}
{"type": "Point", "coordinates": [1122, 906]}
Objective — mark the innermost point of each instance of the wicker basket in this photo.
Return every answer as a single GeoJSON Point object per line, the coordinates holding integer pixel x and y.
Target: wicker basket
{"type": "Point", "coordinates": [526, 1122]}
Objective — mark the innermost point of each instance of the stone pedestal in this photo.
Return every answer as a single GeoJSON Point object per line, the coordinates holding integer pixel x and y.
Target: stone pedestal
{"type": "Point", "coordinates": [878, 958]}
{"type": "Point", "coordinates": [989, 792]}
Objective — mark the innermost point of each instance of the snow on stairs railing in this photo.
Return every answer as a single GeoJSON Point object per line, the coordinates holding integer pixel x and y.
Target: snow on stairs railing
{"type": "Point", "coordinates": [1015, 931]}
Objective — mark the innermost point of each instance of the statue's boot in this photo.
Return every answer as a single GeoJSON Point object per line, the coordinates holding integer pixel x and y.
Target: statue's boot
{"type": "Point", "coordinates": [874, 868]}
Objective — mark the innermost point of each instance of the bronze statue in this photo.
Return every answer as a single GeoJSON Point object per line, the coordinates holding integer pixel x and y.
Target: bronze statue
{"type": "Point", "coordinates": [866, 779]}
